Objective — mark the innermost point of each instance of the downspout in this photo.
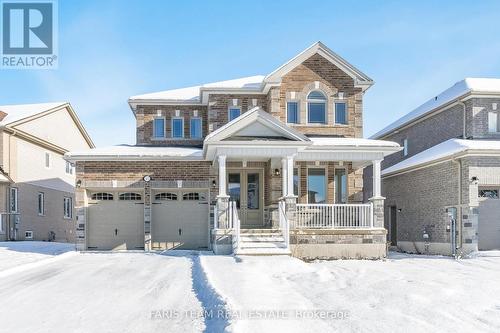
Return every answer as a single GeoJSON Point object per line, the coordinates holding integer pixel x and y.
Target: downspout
{"type": "Point", "coordinates": [459, 206]}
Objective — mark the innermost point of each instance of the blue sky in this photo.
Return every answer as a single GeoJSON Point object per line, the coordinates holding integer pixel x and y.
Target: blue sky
{"type": "Point", "coordinates": [110, 50]}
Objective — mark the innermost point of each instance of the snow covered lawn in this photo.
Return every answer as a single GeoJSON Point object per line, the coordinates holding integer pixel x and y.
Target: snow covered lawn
{"type": "Point", "coordinates": [13, 255]}
{"type": "Point", "coordinates": [404, 293]}
{"type": "Point", "coordinates": [170, 292]}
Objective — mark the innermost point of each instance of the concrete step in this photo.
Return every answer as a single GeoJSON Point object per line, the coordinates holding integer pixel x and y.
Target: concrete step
{"type": "Point", "coordinates": [262, 238]}
{"type": "Point", "coordinates": [263, 245]}
{"type": "Point", "coordinates": [260, 231]}
{"type": "Point", "coordinates": [262, 252]}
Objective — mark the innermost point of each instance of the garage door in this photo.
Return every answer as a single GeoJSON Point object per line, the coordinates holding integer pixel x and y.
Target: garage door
{"type": "Point", "coordinates": [489, 221]}
{"type": "Point", "coordinates": [115, 221]}
{"type": "Point", "coordinates": [180, 220]}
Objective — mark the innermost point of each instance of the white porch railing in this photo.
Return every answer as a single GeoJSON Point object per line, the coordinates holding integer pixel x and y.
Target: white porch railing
{"type": "Point", "coordinates": [334, 216]}
{"type": "Point", "coordinates": [284, 225]}
{"type": "Point", "coordinates": [234, 221]}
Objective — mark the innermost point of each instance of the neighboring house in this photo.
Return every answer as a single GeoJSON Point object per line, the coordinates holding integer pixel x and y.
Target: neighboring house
{"type": "Point", "coordinates": [443, 188]}
{"type": "Point", "coordinates": [36, 183]}
{"type": "Point", "coordinates": [258, 165]}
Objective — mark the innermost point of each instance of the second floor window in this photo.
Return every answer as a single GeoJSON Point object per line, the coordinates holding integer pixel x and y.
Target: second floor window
{"type": "Point", "coordinates": [159, 128]}
{"type": "Point", "coordinates": [316, 107]}
{"type": "Point", "coordinates": [177, 128]}
{"type": "Point", "coordinates": [493, 123]}
{"type": "Point", "coordinates": [47, 160]}
{"type": "Point", "coordinates": [234, 113]}
{"type": "Point", "coordinates": [195, 128]}
{"type": "Point", "coordinates": [292, 112]}
{"type": "Point", "coordinates": [340, 113]}
{"type": "Point", "coordinates": [41, 203]}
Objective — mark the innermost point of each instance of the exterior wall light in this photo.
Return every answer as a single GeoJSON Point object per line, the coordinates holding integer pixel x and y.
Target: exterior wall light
{"type": "Point", "coordinates": [474, 180]}
{"type": "Point", "coordinates": [277, 172]}
{"type": "Point", "coordinates": [147, 178]}
{"type": "Point", "coordinates": [78, 183]}
{"type": "Point", "coordinates": [214, 184]}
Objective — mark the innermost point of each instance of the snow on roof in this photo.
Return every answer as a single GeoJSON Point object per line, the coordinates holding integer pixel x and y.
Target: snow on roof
{"type": "Point", "coordinates": [130, 151]}
{"type": "Point", "coordinates": [480, 85]}
{"type": "Point", "coordinates": [21, 111]}
{"type": "Point", "coordinates": [442, 150]}
{"type": "Point", "coordinates": [356, 142]}
{"type": "Point", "coordinates": [192, 94]}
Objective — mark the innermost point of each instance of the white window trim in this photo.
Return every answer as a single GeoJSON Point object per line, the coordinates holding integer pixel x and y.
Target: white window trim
{"type": "Point", "coordinates": [172, 127]}
{"type": "Point", "coordinates": [201, 128]}
{"type": "Point", "coordinates": [164, 129]}
{"type": "Point", "coordinates": [326, 180]}
{"type": "Point", "coordinates": [298, 111]}
{"type": "Point", "coordinates": [335, 184]}
{"type": "Point", "coordinates": [15, 189]}
{"type": "Point", "coordinates": [229, 112]}
{"type": "Point", "coordinates": [71, 167]}
{"type": "Point", "coordinates": [340, 101]}
{"type": "Point", "coordinates": [497, 114]}
{"type": "Point", "coordinates": [43, 203]}
{"type": "Point", "coordinates": [70, 216]}
{"type": "Point", "coordinates": [30, 234]}
{"type": "Point", "coordinates": [405, 147]}
{"type": "Point", "coordinates": [325, 102]}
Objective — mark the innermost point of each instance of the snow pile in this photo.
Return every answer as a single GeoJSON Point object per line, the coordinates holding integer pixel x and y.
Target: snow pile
{"type": "Point", "coordinates": [16, 254]}
{"type": "Point", "coordinates": [443, 150]}
{"type": "Point", "coordinates": [478, 85]}
{"type": "Point", "coordinates": [406, 292]}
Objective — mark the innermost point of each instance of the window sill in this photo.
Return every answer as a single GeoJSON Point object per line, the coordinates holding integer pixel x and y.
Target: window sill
{"type": "Point", "coordinates": [318, 125]}
{"type": "Point", "coordinates": [67, 218]}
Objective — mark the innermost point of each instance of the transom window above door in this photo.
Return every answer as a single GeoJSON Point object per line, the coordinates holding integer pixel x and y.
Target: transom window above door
{"type": "Point", "coordinates": [316, 107]}
{"type": "Point", "coordinates": [489, 193]}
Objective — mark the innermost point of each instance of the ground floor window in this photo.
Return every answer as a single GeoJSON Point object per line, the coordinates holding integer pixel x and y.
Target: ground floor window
{"type": "Point", "coordinates": [340, 186]}
{"type": "Point", "coordinates": [296, 182]}
{"type": "Point", "coordinates": [316, 185]}
{"type": "Point", "coordinates": [68, 209]}
{"type": "Point", "coordinates": [13, 200]}
{"type": "Point", "coordinates": [489, 193]}
{"type": "Point", "coordinates": [28, 234]}
{"type": "Point", "coordinates": [41, 203]}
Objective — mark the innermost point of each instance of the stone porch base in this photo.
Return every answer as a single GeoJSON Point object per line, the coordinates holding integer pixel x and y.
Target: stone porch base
{"type": "Point", "coordinates": [310, 244]}
{"type": "Point", "coordinates": [313, 244]}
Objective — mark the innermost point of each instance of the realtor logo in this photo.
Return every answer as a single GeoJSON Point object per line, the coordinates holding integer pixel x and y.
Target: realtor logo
{"type": "Point", "coordinates": [29, 34]}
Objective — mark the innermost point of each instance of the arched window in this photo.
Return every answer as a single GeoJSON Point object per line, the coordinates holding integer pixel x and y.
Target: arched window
{"type": "Point", "coordinates": [102, 196]}
{"type": "Point", "coordinates": [316, 107]}
{"type": "Point", "coordinates": [193, 196]}
{"type": "Point", "coordinates": [166, 196]}
{"type": "Point", "coordinates": [130, 196]}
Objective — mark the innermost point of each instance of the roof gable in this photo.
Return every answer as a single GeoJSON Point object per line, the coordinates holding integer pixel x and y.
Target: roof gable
{"type": "Point", "coordinates": [255, 123]}
{"type": "Point", "coordinates": [360, 79]}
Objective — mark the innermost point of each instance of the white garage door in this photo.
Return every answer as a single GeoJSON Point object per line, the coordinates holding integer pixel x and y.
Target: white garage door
{"type": "Point", "coordinates": [489, 220]}
{"type": "Point", "coordinates": [180, 220]}
{"type": "Point", "coordinates": [115, 221]}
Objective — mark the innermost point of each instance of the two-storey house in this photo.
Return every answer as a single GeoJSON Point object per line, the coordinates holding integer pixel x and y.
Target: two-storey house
{"type": "Point", "coordinates": [443, 188]}
{"type": "Point", "coordinates": [36, 183]}
{"type": "Point", "coordinates": [258, 165]}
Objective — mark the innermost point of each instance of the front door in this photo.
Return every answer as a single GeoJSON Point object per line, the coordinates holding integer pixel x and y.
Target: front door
{"type": "Point", "coordinates": [245, 187]}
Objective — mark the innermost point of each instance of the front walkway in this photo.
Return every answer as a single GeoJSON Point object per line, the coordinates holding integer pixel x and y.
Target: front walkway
{"type": "Point", "coordinates": [139, 292]}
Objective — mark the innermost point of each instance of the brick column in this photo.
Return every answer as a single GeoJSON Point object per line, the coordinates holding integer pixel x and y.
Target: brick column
{"type": "Point", "coordinates": [81, 218]}
{"type": "Point", "coordinates": [378, 211]}
{"type": "Point", "coordinates": [147, 216]}
{"type": "Point", "coordinates": [222, 210]}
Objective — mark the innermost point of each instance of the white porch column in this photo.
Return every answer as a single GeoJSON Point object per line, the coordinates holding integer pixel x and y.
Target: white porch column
{"type": "Point", "coordinates": [289, 174]}
{"type": "Point", "coordinates": [222, 175]}
{"type": "Point", "coordinates": [284, 181]}
{"type": "Point", "coordinates": [377, 179]}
